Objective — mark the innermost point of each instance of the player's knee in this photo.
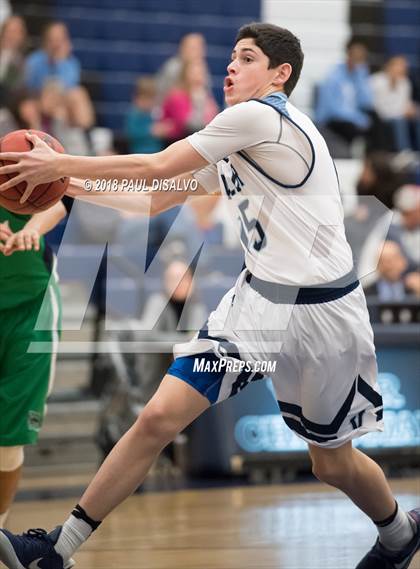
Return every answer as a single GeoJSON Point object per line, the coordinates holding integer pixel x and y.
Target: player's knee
{"type": "Point", "coordinates": [11, 458]}
{"type": "Point", "coordinates": [155, 423]}
{"type": "Point", "coordinates": [331, 470]}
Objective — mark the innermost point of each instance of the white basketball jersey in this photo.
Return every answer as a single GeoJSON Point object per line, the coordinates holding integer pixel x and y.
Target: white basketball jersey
{"type": "Point", "coordinates": [278, 179]}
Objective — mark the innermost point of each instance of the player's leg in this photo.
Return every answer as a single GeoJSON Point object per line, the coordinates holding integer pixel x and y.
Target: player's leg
{"type": "Point", "coordinates": [24, 382]}
{"type": "Point", "coordinates": [173, 407]}
{"type": "Point", "coordinates": [11, 461]}
{"type": "Point", "coordinates": [365, 484]}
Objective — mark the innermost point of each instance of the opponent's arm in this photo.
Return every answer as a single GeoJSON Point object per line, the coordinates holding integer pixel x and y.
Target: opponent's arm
{"type": "Point", "coordinates": [39, 224]}
{"type": "Point", "coordinates": [146, 202]}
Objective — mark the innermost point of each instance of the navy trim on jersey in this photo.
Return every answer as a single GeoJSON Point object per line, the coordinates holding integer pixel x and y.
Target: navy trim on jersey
{"type": "Point", "coordinates": [278, 103]}
{"type": "Point", "coordinates": [327, 432]}
{"type": "Point", "coordinates": [316, 294]}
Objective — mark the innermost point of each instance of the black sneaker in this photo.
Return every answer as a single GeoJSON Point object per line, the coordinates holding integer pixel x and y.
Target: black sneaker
{"type": "Point", "coordinates": [32, 550]}
{"type": "Point", "coordinates": [380, 558]}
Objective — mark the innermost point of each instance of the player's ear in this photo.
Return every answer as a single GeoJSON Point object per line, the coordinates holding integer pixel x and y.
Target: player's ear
{"type": "Point", "coordinates": [283, 72]}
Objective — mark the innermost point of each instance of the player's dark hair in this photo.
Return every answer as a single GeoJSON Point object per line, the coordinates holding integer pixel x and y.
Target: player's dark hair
{"type": "Point", "coordinates": [279, 45]}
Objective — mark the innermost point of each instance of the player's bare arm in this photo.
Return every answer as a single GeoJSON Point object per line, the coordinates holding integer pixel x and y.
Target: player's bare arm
{"type": "Point", "coordinates": [147, 202]}
{"type": "Point", "coordinates": [42, 165]}
{"type": "Point", "coordinates": [28, 238]}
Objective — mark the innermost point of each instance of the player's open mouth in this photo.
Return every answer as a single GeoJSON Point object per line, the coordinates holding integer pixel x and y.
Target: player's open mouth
{"type": "Point", "coordinates": [228, 84]}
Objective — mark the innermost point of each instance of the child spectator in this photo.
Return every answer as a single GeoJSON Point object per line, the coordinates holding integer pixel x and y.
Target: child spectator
{"type": "Point", "coordinates": [144, 133]}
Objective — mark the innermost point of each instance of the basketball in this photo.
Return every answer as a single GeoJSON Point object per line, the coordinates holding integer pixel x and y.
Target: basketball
{"type": "Point", "coordinates": [44, 195]}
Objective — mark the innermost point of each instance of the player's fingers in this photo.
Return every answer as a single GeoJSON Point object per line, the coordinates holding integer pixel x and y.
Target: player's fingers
{"type": "Point", "coordinates": [16, 241]}
{"type": "Point", "coordinates": [27, 193]}
{"type": "Point", "coordinates": [28, 241]}
{"type": "Point", "coordinates": [9, 168]}
{"type": "Point", "coordinates": [34, 138]}
{"type": "Point", "coordinates": [12, 156]}
{"type": "Point", "coordinates": [35, 240]}
{"type": "Point", "coordinates": [12, 182]}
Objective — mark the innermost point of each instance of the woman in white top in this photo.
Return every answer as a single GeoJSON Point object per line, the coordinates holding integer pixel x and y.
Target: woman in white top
{"type": "Point", "coordinates": [392, 99]}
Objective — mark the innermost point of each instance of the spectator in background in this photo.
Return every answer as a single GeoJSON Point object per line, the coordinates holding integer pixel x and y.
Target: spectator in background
{"type": "Point", "coordinates": [404, 230]}
{"type": "Point", "coordinates": [393, 103]}
{"type": "Point", "coordinates": [394, 282]}
{"type": "Point", "coordinates": [344, 99]}
{"type": "Point", "coordinates": [380, 177]}
{"type": "Point", "coordinates": [56, 61]}
{"type": "Point", "coordinates": [143, 131]}
{"type": "Point", "coordinates": [192, 47]}
{"type": "Point", "coordinates": [189, 106]}
{"type": "Point", "coordinates": [13, 40]}
{"type": "Point", "coordinates": [405, 227]}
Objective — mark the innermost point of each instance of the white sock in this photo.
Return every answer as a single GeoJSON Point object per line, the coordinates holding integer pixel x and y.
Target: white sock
{"type": "Point", "coordinates": [396, 531]}
{"type": "Point", "coordinates": [3, 518]}
{"type": "Point", "coordinates": [74, 533]}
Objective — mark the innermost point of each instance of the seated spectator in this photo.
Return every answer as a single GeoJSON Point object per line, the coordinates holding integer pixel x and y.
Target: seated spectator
{"type": "Point", "coordinates": [380, 177]}
{"type": "Point", "coordinates": [192, 47]}
{"type": "Point", "coordinates": [393, 103]}
{"type": "Point", "coordinates": [394, 282]}
{"type": "Point", "coordinates": [344, 99]}
{"type": "Point", "coordinates": [405, 227]}
{"type": "Point", "coordinates": [189, 106]}
{"type": "Point", "coordinates": [404, 230]}
{"type": "Point", "coordinates": [55, 61]}
{"type": "Point", "coordinates": [57, 119]}
{"type": "Point", "coordinates": [13, 39]}
{"type": "Point", "coordinates": [143, 131]}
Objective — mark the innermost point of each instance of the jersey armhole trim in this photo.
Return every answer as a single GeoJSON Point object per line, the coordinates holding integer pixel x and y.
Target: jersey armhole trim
{"type": "Point", "coordinates": [254, 164]}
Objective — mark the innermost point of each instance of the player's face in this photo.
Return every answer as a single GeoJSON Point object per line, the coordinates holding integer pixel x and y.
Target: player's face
{"type": "Point", "coordinates": [248, 74]}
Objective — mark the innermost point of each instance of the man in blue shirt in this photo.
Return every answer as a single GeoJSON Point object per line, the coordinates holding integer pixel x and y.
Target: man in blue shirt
{"type": "Point", "coordinates": [56, 61]}
{"type": "Point", "coordinates": [344, 99]}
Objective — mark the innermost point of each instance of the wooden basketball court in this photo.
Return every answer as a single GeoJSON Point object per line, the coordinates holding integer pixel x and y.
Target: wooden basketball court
{"type": "Point", "coordinates": [258, 527]}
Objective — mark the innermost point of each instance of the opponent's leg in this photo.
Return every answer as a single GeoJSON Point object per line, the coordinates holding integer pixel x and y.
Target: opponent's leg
{"type": "Point", "coordinates": [365, 484]}
{"type": "Point", "coordinates": [11, 461]}
{"type": "Point", "coordinates": [173, 407]}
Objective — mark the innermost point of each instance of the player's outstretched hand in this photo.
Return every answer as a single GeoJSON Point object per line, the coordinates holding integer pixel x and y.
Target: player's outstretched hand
{"type": "Point", "coordinates": [39, 166]}
{"type": "Point", "coordinates": [23, 240]}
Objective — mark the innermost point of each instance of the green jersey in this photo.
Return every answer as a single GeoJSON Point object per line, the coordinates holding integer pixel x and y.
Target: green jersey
{"type": "Point", "coordinates": [25, 274]}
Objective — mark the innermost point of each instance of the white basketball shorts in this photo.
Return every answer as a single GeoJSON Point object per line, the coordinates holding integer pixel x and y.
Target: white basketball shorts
{"type": "Point", "coordinates": [317, 349]}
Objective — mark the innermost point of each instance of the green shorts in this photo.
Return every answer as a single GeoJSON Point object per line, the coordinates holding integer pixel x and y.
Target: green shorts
{"type": "Point", "coordinates": [26, 379]}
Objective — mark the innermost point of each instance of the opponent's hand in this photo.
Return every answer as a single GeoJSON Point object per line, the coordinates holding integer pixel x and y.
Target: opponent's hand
{"type": "Point", "coordinates": [5, 233]}
{"type": "Point", "coordinates": [39, 166]}
{"type": "Point", "coordinates": [23, 240]}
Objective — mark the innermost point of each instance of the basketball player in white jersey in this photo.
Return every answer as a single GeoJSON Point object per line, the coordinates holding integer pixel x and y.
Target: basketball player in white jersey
{"type": "Point", "coordinates": [297, 300]}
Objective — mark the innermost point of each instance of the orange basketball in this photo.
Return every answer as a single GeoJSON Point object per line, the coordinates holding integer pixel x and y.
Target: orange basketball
{"type": "Point", "coordinates": [44, 195]}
